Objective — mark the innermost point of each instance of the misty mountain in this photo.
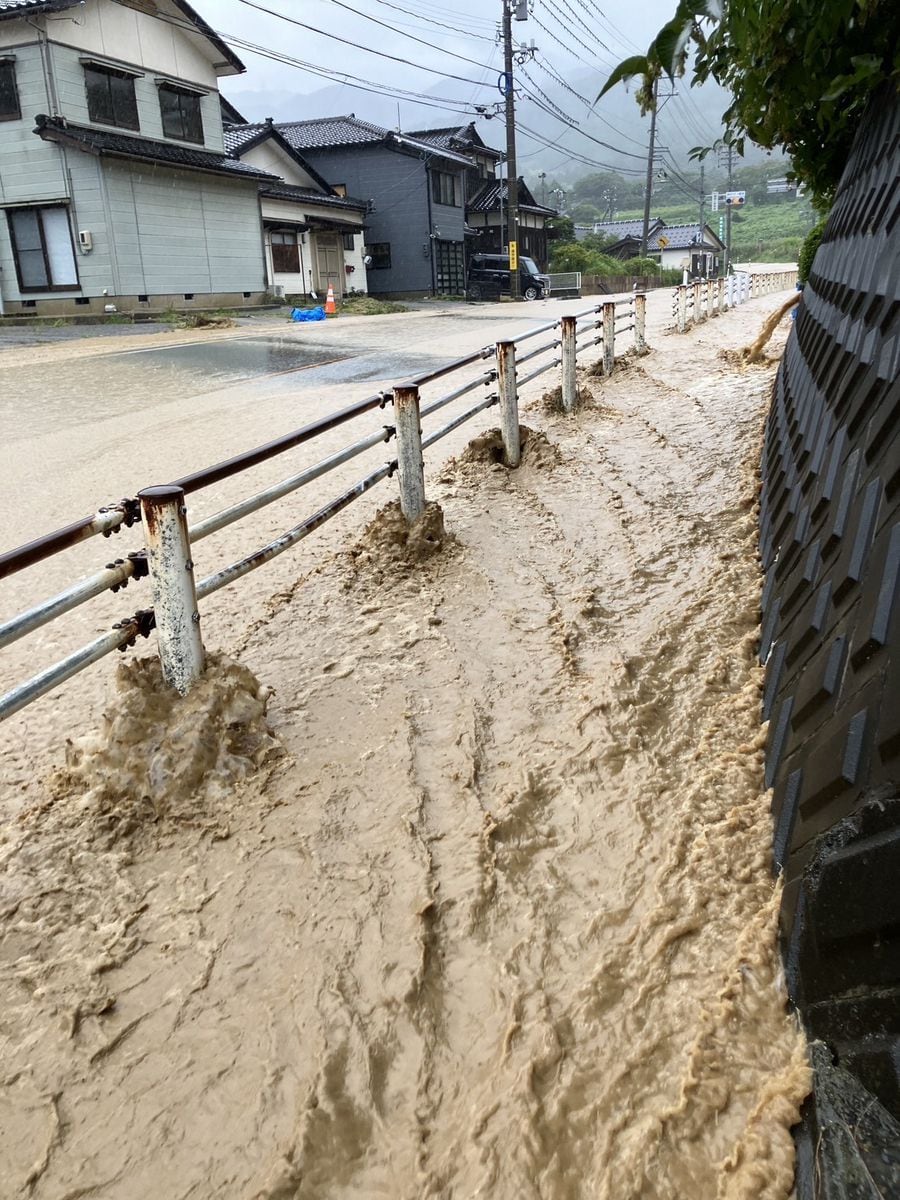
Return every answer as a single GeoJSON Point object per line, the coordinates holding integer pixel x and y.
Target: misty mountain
{"type": "Point", "coordinates": [690, 118]}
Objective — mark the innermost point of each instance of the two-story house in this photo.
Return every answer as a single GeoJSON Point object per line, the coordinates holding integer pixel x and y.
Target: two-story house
{"type": "Point", "coordinates": [487, 199]}
{"type": "Point", "coordinates": [415, 224]}
{"type": "Point", "coordinates": [115, 184]}
{"type": "Point", "coordinates": [313, 233]}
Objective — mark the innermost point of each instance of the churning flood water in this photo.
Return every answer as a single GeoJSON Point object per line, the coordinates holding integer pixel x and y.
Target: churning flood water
{"type": "Point", "coordinates": [458, 885]}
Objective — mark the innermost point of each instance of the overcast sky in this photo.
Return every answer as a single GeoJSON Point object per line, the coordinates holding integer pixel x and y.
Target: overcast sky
{"type": "Point", "coordinates": [466, 28]}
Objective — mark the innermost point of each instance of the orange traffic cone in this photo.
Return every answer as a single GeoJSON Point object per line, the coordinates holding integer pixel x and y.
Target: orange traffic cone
{"type": "Point", "coordinates": [330, 309]}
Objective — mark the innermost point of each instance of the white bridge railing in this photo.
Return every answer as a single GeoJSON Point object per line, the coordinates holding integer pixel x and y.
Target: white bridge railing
{"type": "Point", "coordinates": [167, 557]}
{"type": "Point", "coordinates": [695, 302]}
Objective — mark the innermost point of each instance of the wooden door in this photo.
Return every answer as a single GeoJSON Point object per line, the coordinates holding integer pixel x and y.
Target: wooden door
{"type": "Point", "coordinates": [329, 264]}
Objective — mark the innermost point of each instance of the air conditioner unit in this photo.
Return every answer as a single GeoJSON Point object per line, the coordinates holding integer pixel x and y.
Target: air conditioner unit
{"type": "Point", "coordinates": [278, 291]}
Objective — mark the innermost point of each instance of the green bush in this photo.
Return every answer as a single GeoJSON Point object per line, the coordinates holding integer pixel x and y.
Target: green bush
{"type": "Point", "coordinates": [640, 266]}
{"type": "Point", "coordinates": [808, 250]}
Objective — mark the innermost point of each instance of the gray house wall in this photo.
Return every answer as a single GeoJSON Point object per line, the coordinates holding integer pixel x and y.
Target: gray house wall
{"type": "Point", "coordinates": [398, 186]}
{"type": "Point", "coordinates": [158, 232]}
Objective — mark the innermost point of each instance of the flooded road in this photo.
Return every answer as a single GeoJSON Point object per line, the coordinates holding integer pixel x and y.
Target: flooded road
{"type": "Point", "coordinates": [486, 909]}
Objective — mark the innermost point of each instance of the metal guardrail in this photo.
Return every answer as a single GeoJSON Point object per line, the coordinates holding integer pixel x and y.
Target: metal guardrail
{"type": "Point", "coordinates": [167, 557]}
{"type": "Point", "coordinates": [704, 298]}
{"type": "Point", "coordinates": [565, 284]}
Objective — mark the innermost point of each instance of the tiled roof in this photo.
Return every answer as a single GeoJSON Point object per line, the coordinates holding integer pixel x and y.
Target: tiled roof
{"type": "Point", "coordinates": [461, 138]}
{"type": "Point", "coordinates": [494, 195]}
{"type": "Point", "coordinates": [18, 8]}
{"type": "Point", "coordinates": [238, 136]}
{"type": "Point", "coordinates": [118, 145]}
{"type": "Point", "coordinates": [625, 229]}
{"type": "Point", "coordinates": [290, 191]}
{"type": "Point", "coordinates": [680, 237]}
{"type": "Point", "coordinates": [326, 133]}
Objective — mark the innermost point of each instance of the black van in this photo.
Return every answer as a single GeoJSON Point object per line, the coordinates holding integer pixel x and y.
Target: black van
{"type": "Point", "coordinates": [489, 276]}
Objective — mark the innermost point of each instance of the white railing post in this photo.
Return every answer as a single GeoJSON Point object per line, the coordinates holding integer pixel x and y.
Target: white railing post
{"type": "Point", "coordinates": [569, 353]}
{"type": "Point", "coordinates": [698, 303]}
{"type": "Point", "coordinates": [682, 307]}
{"type": "Point", "coordinates": [640, 321]}
{"type": "Point", "coordinates": [720, 300]}
{"type": "Point", "coordinates": [171, 569]}
{"type": "Point", "coordinates": [410, 465]}
{"type": "Point", "coordinates": [609, 336]}
{"type": "Point", "coordinates": [509, 403]}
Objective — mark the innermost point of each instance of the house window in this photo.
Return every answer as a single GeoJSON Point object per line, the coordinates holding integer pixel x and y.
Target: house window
{"type": "Point", "coordinates": [445, 188]}
{"type": "Point", "coordinates": [9, 94]}
{"type": "Point", "coordinates": [339, 189]}
{"type": "Point", "coordinates": [110, 97]}
{"type": "Point", "coordinates": [180, 110]}
{"type": "Point", "coordinates": [285, 252]}
{"type": "Point", "coordinates": [349, 241]}
{"type": "Point", "coordinates": [42, 246]}
{"type": "Point", "coordinates": [450, 269]}
{"type": "Point", "coordinates": [380, 254]}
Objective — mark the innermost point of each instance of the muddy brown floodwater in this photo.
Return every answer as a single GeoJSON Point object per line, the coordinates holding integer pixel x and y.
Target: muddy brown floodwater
{"type": "Point", "coordinates": [452, 880]}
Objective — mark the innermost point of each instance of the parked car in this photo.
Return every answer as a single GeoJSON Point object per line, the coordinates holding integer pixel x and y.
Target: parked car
{"type": "Point", "coordinates": [489, 277]}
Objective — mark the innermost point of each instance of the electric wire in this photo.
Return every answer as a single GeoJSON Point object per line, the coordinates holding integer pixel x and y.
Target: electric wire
{"type": "Point", "coordinates": [368, 49]}
{"type": "Point", "coordinates": [432, 21]}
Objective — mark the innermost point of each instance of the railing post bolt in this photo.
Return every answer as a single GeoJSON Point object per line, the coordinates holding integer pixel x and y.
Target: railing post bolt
{"type": "Point", "coordinates": [409, 452]}
{"type": "Point", "coordinates": [569, 353]}
{"type": "Point", "coordinates": [171, 572]}
{"type": "Point", "coordinates": [609, 336]}
{"type": "Point", "coordinates": [509, 403]}
{"type": "Point", "coordinates": [640, 321]}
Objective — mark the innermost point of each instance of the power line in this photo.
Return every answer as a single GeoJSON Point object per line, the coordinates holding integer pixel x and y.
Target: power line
{"type": "Point", "coordinates": [568, 49]}
{"type": "Point", "coordinates": [566, 25]}
{"type": "Point", "coordinates": [432, 21]}
{"type": "Point", "coordinates": [564, 118]}
{"type": "Point", "coordinates": [575, 154]}
{"type": "Point", "coordinates": [368, 49]}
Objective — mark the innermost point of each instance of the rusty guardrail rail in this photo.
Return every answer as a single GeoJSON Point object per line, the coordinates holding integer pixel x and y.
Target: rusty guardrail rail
{"type": "Point", "coordinates": [167, 559]}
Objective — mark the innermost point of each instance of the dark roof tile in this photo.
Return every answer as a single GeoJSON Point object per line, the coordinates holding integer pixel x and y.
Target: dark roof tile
{"type": "Point", "coordinates": [118, 145]}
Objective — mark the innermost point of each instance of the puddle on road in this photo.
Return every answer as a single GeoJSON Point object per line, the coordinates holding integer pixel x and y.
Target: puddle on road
{"type": "Point", "coordinates": [240, 358]}
{"type": "Point", "coordinates": [66, 393]}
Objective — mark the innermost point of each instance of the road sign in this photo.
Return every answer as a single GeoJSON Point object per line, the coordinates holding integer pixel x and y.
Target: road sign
{"type": "Point", "coordinates": [715, 201]}
{"type": "Point", "coordinates": [662, 242]}
{"type": "Point", "coordinates": [514, 256]}
{"type": "Point", "coordinates": [735, 199]}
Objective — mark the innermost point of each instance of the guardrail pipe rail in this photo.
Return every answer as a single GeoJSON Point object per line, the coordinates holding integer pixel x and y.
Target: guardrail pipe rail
{"type": "Point", "coordinates": [163, 514]}
{"type": "Point", "coordinates": [409, 452]}
{"type": "Point", "coordinates": [507, 386]}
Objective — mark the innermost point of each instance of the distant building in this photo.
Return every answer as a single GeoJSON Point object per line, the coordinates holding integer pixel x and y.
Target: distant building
{"type": "Point", "coordinates": [618, 230]}
{"type": "Point", "coordinates": [415, 196]}
{"type": "Point", "coordinates": [314, 235]}
{"type": "Point", "coordinates": [679, 247]}
{"type": "Point", "coordinates": [487, 216]}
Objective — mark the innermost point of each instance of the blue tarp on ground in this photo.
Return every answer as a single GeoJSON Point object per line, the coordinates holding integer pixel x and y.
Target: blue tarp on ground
{"type": "Point", "coordinates": [308, 314]}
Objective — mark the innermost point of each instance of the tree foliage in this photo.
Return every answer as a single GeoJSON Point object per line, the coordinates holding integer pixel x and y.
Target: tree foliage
{"type": "Point", "coordinates": [800, 72]}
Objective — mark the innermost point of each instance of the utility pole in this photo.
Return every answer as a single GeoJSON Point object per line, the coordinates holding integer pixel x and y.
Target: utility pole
{"type": "Point", "coordinates": [649, 183]}
{"type": "Point", "coordinates": [702, 202]}
{"type": "Point", "coordinates": [512, 176]}
{"type": "Point", "coordinates": [728, 153]}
